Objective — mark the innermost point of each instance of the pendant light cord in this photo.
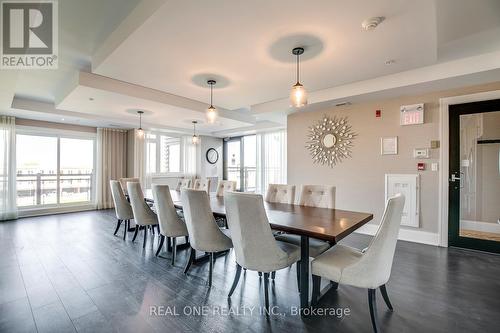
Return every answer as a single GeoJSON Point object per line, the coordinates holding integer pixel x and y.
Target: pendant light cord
{"type": "Point", "coordinates": [298, 68]}
{"type": "Point", "coordinates": [211, 94]}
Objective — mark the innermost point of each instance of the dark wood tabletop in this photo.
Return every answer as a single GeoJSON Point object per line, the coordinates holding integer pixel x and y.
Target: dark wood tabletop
{"type": "Point", "coordinates": [323, 223]}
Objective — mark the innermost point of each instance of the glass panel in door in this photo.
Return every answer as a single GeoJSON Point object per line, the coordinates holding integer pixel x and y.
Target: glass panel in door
{"type": "Point", "coordinates": [233, 162]}
{"type": "Point", "coordinates": [480, 176]}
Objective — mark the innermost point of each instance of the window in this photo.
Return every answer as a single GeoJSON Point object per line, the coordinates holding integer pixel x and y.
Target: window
{"type": "Point", "coordinates": [54, 170]}
{"type": "Point", "coordinates": [255, 161]}
{"type": "Point", "coordinates": [163, 154]}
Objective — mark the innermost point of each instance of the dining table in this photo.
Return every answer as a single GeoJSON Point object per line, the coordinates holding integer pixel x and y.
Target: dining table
{"type": "Point", "coordinates": [326, 224]}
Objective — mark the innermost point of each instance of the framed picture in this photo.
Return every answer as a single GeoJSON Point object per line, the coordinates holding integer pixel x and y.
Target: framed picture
{"type": "Point", "coordinates": [389, 145]}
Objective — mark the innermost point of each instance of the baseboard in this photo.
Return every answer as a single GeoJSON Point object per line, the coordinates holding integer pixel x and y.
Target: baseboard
{"type": "Point", "coordinates": [55, 210]}
{"type": "Point", "coordinates": [416, 236]}
{"type": "Point", "coordinates": [480, 226]}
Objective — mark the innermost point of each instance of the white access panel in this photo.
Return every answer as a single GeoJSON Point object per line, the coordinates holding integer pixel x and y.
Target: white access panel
{"type": "Point", "coordinates": [409, 186]}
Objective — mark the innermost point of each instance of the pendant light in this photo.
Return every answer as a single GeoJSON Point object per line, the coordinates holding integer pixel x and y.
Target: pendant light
{"type": "Point", "coordinates": [298, 95]}
{"type": "Point", "coordinates": [195, 139]}
{"type": "Point", "coordinates": [211, 111]}
{"type": "Point", "coordinates": [140, 131]}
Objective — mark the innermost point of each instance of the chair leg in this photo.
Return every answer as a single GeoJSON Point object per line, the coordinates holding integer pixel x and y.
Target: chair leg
{"type": "Point", "coordinates": [145, 234]}
{"type": "Point", "coordinates": [169, 244]}
{"type": "Point", "coordinates": [383, 290]}
{"type": "Point", "coordinates": [260, 274]}
{"type": "Point", "coordinates": [316, 289]}
{"type": "Point", "coordinates": [174, 249]}
{"type": "Point", "coordinates": [118, 223]}
{"type": "Point", "coordinates": [372, 302]}
{"type": "Point", "coordinates": [273, 275]}
{"type": "Point", "coordinates": [135, 232]}
{"type": "Point", "coordinates": [162, 239]}
{"type": "Point", "coordinates": [266, 292]}
{"type": "Point", "coordinates": [125, 229]}
{"type": "Point", "coordinates": [210, 269]}
{"type": "Point", "coordinates": [298, 275]}
{"type": "Point", "coordinates": [236, 279]}
{"type": "Point", "coordinates": [192, 254]}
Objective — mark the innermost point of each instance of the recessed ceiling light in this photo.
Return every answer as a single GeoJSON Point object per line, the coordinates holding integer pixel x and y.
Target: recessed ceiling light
{"type": "Point", "coordinates": [62, 119]}
{"type": "Point", "coordinates": [371, 23]}
{"type": "Point", "coordinates": [390, 62]}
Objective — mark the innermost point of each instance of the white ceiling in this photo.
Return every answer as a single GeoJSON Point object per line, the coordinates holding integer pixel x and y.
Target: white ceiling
{"type": "Point", "coordinates": [162, 49]}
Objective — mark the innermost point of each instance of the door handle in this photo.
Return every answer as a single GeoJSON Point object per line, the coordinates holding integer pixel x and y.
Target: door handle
{"type": "Point", "coordinates": [454, 178]}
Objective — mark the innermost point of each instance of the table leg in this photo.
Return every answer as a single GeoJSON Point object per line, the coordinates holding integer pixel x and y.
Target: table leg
{"type": "Point", "coordinates": [304, 272]}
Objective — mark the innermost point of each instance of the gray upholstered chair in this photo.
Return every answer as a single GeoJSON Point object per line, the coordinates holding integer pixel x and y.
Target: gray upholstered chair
{"type": "Point", "coordinates": [204, 234]}
{"type": "Point", "coordinates": [179, 184]}
{"type": "Point", "coordinates": [281, 193]}
{"type": "Point", "coordinates": [171, 225]}
{"type": "Point", "coordinates": [321, 196]}
{"type": "Point", "coordinates": [370, 268]}
{"type": "Point", "coordinates": [185, 183]}
{"type": "Point", "coordinates": [143, 215]}
{"type": "Point", "coordinates": [225, 186]}
{"type": "Point", "coordinates": [123, 210]}
{"type": "Point", "coordinates": [202, 184]}
{"type": "Point", "coordinates": [317, 196]}
{"type": "Point", "coordinates": [124, 181]}
{"type": "Point", "coordinates": [254, 245]}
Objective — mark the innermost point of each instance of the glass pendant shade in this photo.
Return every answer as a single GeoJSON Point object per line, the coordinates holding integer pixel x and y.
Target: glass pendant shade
{"type": "Point", "coordinates": [211, 114]}
{"type": "Point", "coordinates": [140, 133]}
{"type": "Point", "coordinates": [298, 96]}
{"type": "Point", "coordinates": [195, 139]}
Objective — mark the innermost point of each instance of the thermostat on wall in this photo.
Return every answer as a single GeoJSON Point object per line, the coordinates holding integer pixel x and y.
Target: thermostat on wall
{"type": "Point", "coordinates": [412, 114]}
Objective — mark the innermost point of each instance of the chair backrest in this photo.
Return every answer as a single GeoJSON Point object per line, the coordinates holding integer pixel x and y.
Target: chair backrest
{"type": "Point", "coordinates": [204, 233]}
{"type": "Point", "coordinates": [143, 215]}
{"type": "Point", "coordinates": [281, 193]}
{"type": "Point", "coordinates": [254, 244]}
{"type": "Point", "coordinates": [322, 196]}
{"type": "Point", "coordinates": [376, 263]}
{"type": "Point", "coordinates": [123, 209]}
{"type": "Point", "coordinates": [185, 183]}
{"type": "Point", "coordinates": [170, 223]}
{"type": "Point", "coordinates": [179, 184]}
{"type": "Point", "coordinates": [124, 181]}
{"type": "Point", "coordinates": [224, 186]}
{"type": "Point", "coordinates": [202, 185]}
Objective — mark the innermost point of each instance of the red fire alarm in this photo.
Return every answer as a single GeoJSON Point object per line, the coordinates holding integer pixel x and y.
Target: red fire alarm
{"type": "Point", "coordinates": [378, 113]}
{"type": "Point", "coordinates": [420, 166]}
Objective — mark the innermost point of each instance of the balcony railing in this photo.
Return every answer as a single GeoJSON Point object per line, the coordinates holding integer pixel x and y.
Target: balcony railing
{"type": "Point", "coordinates": [46, 189]}
{"type": "Point", "coordinates": [249, 177]}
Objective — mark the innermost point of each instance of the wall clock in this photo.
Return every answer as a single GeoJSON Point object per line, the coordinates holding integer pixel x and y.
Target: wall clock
{"type": "Point", "coordinates": [212, 156]}
{"type": "Point", "coordinates": [330, 140]}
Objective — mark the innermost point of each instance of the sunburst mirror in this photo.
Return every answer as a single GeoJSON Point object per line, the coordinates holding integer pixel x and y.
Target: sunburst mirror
{"type": "Point", "coordinates": [330, 140]}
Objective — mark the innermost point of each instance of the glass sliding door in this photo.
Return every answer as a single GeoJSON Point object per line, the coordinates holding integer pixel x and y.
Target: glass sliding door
{"type": "Point", "coordinates": [233, 163]}
{"type": "Point", "coordinates": [76, 170]}
{"type": "Point", "coordinates": [54, 170]}
{"type": "Point", "coordinates": [36, 170]}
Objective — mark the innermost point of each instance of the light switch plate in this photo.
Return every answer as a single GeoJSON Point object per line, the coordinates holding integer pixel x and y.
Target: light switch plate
{"type": "Point", "coordinates": [421, 153]}
{"type": "Point", "coordinates": [434, 167]}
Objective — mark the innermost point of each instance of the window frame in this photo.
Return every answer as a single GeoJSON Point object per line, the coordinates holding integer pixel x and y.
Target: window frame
{"type": "Point", "coordinates": [157, 140]}
{"type": "Point", "coordinates": [65, 134]}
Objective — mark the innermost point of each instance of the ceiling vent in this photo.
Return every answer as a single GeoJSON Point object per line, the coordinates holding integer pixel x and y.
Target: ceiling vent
{"type": "Point", "coordinates": [372, 23]}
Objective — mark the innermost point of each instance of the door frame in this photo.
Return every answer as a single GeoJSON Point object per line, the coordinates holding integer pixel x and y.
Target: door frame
{"type": "Point", "coordinates": [444, 132]}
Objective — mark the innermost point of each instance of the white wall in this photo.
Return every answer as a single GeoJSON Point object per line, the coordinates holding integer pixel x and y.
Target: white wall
{"type": "Point", "coordinates": [360, 180]}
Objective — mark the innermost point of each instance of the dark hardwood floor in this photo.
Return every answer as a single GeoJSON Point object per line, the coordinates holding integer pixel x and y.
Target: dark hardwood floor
{"type": "Point", "coordinates": [68, 273]}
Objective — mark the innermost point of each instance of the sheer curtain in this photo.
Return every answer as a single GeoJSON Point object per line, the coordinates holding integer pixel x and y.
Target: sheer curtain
{"type": "Point", "coordinates": [111, 162]}
{"type": "Point", "coordinates": [189, 157]}
{"type": "Point", "coordinates": [8, 207]}
{"type": "Point", "coordinates": [271, 159]}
